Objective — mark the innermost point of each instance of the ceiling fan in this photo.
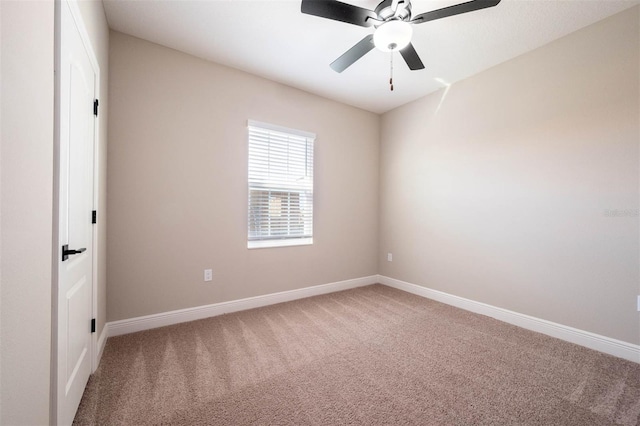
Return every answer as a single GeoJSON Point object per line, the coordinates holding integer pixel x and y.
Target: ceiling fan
{"type": "Point", "coordinates": [393, 22]}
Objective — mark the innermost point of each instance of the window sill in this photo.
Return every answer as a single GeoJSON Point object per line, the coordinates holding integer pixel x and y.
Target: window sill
{"type": "Point", "coordinates": [279, 243]}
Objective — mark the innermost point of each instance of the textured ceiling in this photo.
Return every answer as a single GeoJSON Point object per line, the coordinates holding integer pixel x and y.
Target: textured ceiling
{"type": "Point", "coordinates": [273, 39]}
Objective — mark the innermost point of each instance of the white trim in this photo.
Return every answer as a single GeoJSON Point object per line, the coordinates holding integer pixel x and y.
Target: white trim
{"type": "Point", "coordinates": [132, 325]}
{"type": "Point", "coordinates": [102, 341]}
{"type": "Point", "coordinates": [281, 129]}
{"type": "Point", "coordinates": [587, 339]}
{"type": "Point", "coordinates": [285, 242]}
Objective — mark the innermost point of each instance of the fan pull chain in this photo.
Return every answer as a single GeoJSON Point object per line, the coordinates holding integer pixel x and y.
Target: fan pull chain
{"type": "Point", "coordinates": [391, 72]}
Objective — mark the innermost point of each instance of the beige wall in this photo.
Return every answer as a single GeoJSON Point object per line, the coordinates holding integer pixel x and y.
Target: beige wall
{"type": "Point", "coordinates": [177, 177]}
{"type": "Point", "coordinates": [96, 24]}
{"type": "Point", "coordinates": [498, 189]}
{"type": "Point", "coordinates": [26, 188]}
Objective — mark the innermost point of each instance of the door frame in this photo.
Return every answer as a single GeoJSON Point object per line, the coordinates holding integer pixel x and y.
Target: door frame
{"type": "Point", "coordinates": [95, 352]}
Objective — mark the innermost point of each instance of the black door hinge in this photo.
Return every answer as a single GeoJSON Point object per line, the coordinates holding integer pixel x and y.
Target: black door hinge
{"type": "Point", "coordinates": [93, 325]}
{"type": "Point", "coordinates": [95, 107]}
{"type": "Point", "coordinates": [94, 217]}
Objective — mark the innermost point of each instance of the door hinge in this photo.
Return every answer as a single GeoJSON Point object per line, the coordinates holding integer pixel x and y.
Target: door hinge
{"type": "Point", "coordinates": [95, 107]}
{"type": "Point", "coordinates": [93, 325]}
{"type": "Point", "coordinates": [94, 216]}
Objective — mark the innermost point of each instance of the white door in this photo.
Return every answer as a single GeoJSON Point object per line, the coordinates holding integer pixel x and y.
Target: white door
{"type": "Point", "coordinates": [75, 234]}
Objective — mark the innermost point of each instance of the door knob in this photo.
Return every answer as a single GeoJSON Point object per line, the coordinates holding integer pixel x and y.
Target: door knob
{"type": "Point", "coordinates": [66, 252]}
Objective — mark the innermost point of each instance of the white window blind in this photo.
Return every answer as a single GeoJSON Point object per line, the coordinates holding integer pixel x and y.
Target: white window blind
{"type": "Point", "coordinates": [280, 186]}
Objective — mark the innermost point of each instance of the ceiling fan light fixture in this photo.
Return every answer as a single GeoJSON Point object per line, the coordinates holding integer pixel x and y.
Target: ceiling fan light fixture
{"type": "Point", "coordinates": [392, 35]}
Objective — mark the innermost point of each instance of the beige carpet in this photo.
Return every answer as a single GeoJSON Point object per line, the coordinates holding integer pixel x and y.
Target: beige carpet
{"type": "Point", "coordinates": [372, 355]}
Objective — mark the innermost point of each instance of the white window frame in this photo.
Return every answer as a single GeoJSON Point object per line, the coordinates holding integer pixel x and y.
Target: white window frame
{"type": "Point", "coordinates": [278, 185]}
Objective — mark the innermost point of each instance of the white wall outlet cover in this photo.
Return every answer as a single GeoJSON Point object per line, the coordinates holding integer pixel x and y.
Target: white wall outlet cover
{"type": "Point", "coordinates": [208, 274]}
{"type": "Point", "coordinates": [389, 257]}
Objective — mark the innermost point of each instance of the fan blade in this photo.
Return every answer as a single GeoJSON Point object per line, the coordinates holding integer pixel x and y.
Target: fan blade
{"type": "Point", "coordinates": [339, 11]}
{"type": "Point", "coordinates": [411, 58]}
{"type": "Point", "coordinates": [457, 9]}
{"type": "Point", "coordinates": [363, 47]}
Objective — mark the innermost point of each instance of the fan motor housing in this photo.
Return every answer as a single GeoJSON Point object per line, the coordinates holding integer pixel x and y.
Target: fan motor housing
{"type": "Point", "coordinates": [385, 12]}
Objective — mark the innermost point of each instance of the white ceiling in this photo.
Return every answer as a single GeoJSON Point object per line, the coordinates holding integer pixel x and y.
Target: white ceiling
{"type": "Point", "coordinates": [273, 39]}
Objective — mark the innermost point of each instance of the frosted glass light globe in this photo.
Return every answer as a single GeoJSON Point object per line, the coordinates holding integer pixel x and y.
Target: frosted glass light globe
{"type": "Point", "coordinates": [392, 35]}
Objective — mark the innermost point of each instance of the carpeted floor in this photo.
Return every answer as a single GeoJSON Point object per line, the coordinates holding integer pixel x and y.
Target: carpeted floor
{"type": "Point", "coordinates": [372, 355]}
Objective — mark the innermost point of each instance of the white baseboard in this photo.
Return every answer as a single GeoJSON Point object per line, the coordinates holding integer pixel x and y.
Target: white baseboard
{"type": "Point", "coordinates": [148, 322]}
{"type": "Point", "coordinates": [587, 339]}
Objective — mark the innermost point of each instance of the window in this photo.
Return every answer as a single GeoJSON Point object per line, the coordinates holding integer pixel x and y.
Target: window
{"type": "Point", "coordinates": [280, 186]}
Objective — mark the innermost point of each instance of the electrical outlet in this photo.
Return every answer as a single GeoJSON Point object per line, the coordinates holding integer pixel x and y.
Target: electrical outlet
{"type": "Point", "coordinates": [638, 303]}
{"type": "Point", "coordinates": [208, 275]}
{"type": "Point", "coordinates": [389, 257]}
